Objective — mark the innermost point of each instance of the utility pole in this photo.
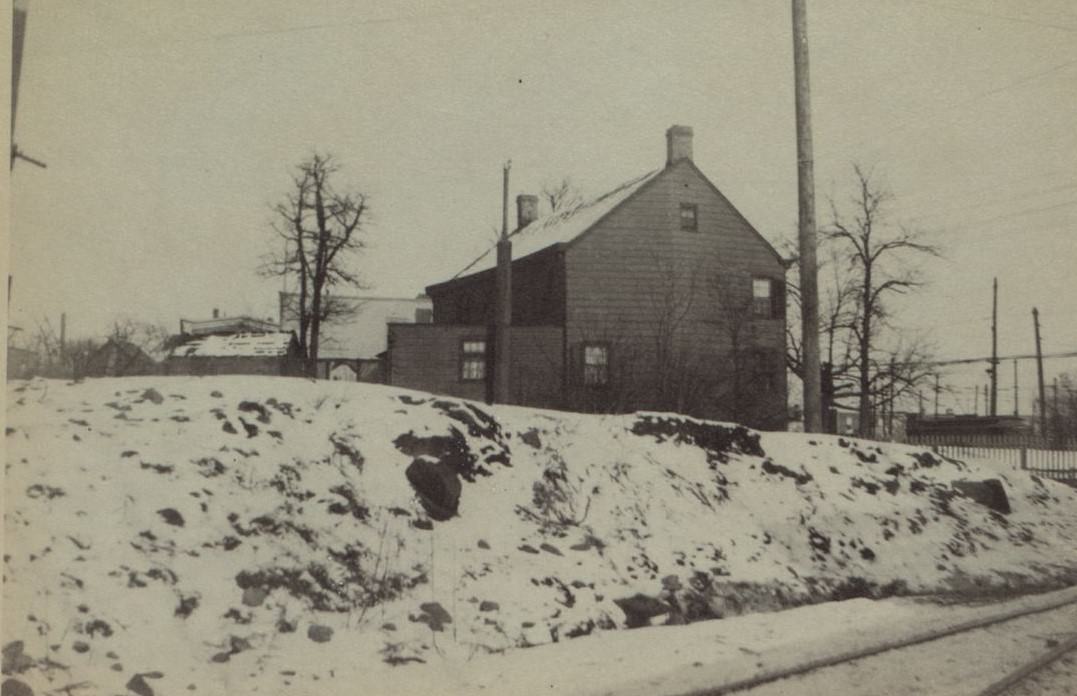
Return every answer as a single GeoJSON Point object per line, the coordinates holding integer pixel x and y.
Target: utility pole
{"type": "Point", "coordinates": [809, 288]}
{"type": "Point", "coordinates": [18, 36]}
{"type": "Point", "coordinates": [976, 400]}
{"type": "Point", "coordinates": [503, 310]}
{"type": "Point", "coordinates": [1016, 394]}
{"type": "Point", "coordinates": [1039, 373]}
{"type": "Point", "coordinates": [936, 394]}
{"type": "Point", "coordinates": [63, 336]}
{"type": "Point", "coordinates": [994, 349]}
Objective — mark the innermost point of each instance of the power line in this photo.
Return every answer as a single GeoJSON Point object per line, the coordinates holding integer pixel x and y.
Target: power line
{"type": "Point", "coordinates": [963, 361]}
{"type": "Point", "coordinates": [1008, 216]}
{"type": "Point", "coordinates": [1019, 197]}
{"type": "Point", "coordinates": [1020, 20]}
{"type": "Point", "coordinates": [1018, 82]}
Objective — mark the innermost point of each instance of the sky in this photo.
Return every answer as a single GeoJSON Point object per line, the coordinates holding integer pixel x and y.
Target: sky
{"type": "Point", "coordinates": [170, 129]}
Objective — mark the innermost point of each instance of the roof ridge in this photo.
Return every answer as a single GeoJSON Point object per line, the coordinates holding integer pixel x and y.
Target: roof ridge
{"type": "Point", "coordinates": [558, 217]}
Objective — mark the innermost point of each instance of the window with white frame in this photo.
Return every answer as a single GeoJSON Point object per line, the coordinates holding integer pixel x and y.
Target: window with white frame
{"type": "Point", "coordinates": [596, 364]}
{"type": "Point", "coordinates": [473, 360]}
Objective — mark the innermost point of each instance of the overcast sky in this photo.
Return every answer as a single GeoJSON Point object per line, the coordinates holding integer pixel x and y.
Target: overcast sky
{"type": "Point", "coordinates": [169, 128]}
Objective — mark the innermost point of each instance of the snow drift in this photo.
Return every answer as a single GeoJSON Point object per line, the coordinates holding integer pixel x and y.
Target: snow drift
{"type": "Point", "coordinates": [242, 534]}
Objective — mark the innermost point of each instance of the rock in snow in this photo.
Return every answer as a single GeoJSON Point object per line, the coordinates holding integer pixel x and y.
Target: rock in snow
{"type": "Point", "coordinates": [167, 548]}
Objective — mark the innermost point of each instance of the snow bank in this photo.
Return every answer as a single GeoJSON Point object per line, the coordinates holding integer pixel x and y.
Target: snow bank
{"type": "Point", "coordinates": [251, 534]}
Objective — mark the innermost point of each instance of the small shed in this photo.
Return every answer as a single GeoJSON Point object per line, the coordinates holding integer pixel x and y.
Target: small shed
{"type": "Point", "coordinates": [245, 353]}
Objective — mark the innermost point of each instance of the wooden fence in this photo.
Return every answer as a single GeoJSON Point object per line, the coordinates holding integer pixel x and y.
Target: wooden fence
{"type": "Point", "coordinates": [1049, 458]}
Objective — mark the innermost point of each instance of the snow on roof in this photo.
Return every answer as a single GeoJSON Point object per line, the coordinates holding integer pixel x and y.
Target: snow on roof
{"type": "Point", "coordinates": [252, 345]}
{"type": "Point", "coordinates": [559, 227]}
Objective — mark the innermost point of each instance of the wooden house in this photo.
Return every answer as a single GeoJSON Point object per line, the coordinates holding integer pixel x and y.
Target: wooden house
{"type": "Point", "coordinates": [657, 295]}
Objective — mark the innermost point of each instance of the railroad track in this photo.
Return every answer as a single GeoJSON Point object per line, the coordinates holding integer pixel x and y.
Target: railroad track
{"type": "Point", "coordinates": [1010, 684]}
{"type": "Point", "coordinates": [1015, 680]}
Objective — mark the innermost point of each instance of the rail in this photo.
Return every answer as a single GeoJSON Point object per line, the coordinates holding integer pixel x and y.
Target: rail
{"type": "Point", "coordinates": [783, 673]}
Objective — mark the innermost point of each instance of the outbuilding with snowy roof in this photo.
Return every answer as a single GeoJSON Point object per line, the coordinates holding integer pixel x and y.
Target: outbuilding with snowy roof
{"type": "Point", "coordinates": [241, 353]}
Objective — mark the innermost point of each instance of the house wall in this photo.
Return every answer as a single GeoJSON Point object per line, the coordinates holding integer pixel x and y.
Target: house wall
{"type": "Point", "coordinates": [537, 294]}
{"type": "Point", "coordinates": [428, 357]}
{"type": "Point", "coordinates": [658, 294]}
{"type": "Point", "coordinates": [281, 366]}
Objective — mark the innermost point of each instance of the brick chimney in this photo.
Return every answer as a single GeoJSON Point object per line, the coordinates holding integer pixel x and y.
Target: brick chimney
{"type": "Point", "coordinates": [526, 209]}
{"type": "Point", "coordinates": [678, 144]}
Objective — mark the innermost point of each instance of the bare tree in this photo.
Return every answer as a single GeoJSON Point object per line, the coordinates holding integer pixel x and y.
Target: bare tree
{"type": "Point", "coordinates": [321, 229]}
{"type": "Point", "coordinates": [879, 257]}
{"type": "Point", "coordinates": [561, 195]}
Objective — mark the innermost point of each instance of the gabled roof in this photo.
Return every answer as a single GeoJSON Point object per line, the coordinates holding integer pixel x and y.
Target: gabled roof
{"type": "Point", "coordinates": [242, 345]}
{"type": "Point", "coordinates": [559, 227]}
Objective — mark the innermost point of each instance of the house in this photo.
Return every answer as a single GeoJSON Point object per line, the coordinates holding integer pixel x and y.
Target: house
{"type": "Point", "coordinates": [656, 295]}
{"type": "Point", "coordinates": [22, 363]}
{"type": "Point", "coordinates": [245, 353]}
{"type": "Point", "coordinates": [117, 358]}
{"type": "Point", "coordinates": [352, 344]}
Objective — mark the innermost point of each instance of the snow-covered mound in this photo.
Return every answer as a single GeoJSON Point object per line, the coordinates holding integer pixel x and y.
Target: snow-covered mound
{"type": "Point", "coordinates": [242, 534]}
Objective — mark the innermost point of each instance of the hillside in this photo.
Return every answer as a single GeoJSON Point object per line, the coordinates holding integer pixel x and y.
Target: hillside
{"type": "Point", "coordinates": [247, 534]}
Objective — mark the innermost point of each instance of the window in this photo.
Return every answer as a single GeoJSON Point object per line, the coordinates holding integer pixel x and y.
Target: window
{"type": "Point", "coordinates": [473, 360]}
{"type": "Point", "coordinates": [424, 315]}
{"type": "Point", "coordinates": [596, 364]}
{"type": "Point", "coordinates": [689, 215]}
{"type": "Point", "coordinates": [765, 367]}
{"type": "Point", "coordinates": [762, 304]}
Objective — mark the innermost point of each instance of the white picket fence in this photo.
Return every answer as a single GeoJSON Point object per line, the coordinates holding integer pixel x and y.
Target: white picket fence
{"type": "Point", "coordinates": [1055, 459]}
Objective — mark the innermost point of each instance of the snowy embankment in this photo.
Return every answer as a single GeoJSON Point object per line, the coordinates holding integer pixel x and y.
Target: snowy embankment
{"type": "Point", "coordinates": [242, 534]}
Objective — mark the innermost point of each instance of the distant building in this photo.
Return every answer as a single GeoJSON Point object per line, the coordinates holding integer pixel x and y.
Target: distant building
{"type": "Point", "coordinates": [117, 358]}
{"type": "Point", "coordinates": [352, 345]}
{"type": "Point", "coordinates": [226, 325]}
{"type": "Point", "coordinates": [247, 353]}
{"type": "Point", "coordinates": [656, 295]}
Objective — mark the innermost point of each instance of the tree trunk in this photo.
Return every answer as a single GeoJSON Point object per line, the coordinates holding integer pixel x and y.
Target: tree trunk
{"type": "Point", "coordinates": [865, 355]}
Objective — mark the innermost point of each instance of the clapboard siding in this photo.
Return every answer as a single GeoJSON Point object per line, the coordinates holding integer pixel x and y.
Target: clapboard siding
{"type": "Point", "coordinates": [636, 268]}
{"type": "Point", "coordinates": [428, 357]}
{"type": "Point", "coordinates": [537, 294]}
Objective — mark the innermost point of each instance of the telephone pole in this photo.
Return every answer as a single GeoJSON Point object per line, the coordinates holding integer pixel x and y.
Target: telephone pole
{"type": "Point", "coordinates": [994, 349]}
{"type": "Point", "coordinates": [503, 318]}
{"type": "Point", "coordinates": [1016, 394]}
{"type": "Point", "coordinates": [936, 394]}
{"type": "Point", "coordinates": [809, 289]}
{"type": "Point", "coordinates": [1039, 374]}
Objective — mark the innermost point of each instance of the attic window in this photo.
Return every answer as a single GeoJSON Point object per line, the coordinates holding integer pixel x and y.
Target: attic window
{"type": "Point", "coordinates": [689, 215]}
{"type": "Point", "coordinates": [473, 360]}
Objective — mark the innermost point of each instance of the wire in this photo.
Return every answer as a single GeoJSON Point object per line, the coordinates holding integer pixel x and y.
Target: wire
{"type": "Point", "coordinates": [970, 11]}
